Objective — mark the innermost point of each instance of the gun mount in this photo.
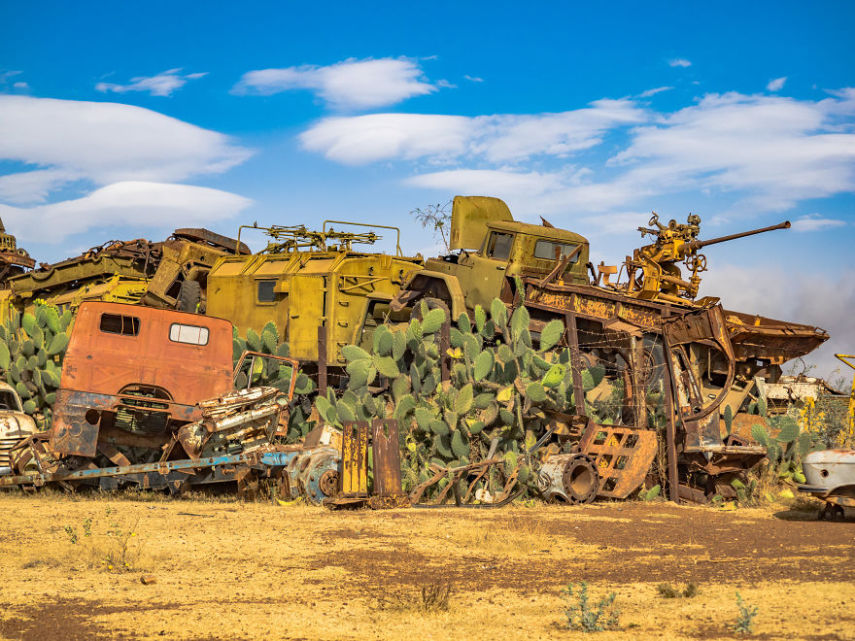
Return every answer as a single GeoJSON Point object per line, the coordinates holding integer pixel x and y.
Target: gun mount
{"type": "Point", "coordinates": [13, 259]}
{"type": "Point", "coordinates": [292, 238]}
{"type": "Point", "coordinates": [652, 272]}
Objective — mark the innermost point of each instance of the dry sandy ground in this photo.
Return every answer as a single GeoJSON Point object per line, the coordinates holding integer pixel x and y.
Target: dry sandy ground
{"type": "Point", "coordinates": [230, 570]}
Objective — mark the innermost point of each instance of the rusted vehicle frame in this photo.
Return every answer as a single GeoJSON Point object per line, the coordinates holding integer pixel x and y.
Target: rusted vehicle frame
{"type": "Point", "coordinates": [699, 445]}
{"type": "Point", "coordinates": [139, 368]}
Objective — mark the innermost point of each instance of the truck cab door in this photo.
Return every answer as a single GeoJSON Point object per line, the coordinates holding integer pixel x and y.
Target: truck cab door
{"type": "Point", "coordinates": [484, 274]}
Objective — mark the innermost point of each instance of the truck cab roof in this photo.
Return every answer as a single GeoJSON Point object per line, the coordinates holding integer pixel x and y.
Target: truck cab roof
{"type": "Point", "coordinates": [549, 233]}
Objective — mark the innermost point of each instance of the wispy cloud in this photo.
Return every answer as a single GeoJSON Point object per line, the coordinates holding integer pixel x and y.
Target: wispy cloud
{"type": "Point", "coordinates": [497, 138]}
{"type": "Point", "coordinates": [777, 84]}
{"type": "Point", "coordinates": [124, 204]}
{"type": "Point", "coordinates": [817, 222]}
{"type": "Point", "coordinates": [680, 62]}
{"type": "Point", "coordinates": [473, 78]}
{"type": "Point", "coordinates": [761, 153]}
{"type": "Point", "coordinates": [163, 84]}
{"type": "Point", "coordinates": [654, 91]}
{"type": "Point", "coordinates": [102, 142]}
{"type": "Point", "coordinates": [350, 84]}
{"type": "Point", "coordinates": [7, 81]}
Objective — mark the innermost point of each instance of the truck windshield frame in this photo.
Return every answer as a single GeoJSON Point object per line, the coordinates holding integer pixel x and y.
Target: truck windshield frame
{"type": "Point", "coordinates": [499, 245]}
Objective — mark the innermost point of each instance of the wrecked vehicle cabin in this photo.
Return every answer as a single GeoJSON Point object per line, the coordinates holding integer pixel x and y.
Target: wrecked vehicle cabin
{"type": "Point", "coordinates": [148, 399]}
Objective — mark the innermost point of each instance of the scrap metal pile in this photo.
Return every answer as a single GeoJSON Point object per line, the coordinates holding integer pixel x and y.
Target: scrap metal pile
{"type": "Point", "coordinates": [512, 366]}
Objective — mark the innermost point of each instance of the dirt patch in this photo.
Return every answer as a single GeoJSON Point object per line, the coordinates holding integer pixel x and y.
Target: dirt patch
{"type": "Point", "coordinates": [631, 545]}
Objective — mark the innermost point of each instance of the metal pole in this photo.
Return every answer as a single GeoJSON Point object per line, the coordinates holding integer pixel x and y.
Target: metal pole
{"type": "Point", "coordinates": [575, 364]}
{"type": "Point", "coordinates": [670, 431]}
{"type": "Point", "coordinates": [639, 393]}
{"type": "Point", "coordinates": [322, 360]}
{"type": "Point", "coordinates": [444, 346]}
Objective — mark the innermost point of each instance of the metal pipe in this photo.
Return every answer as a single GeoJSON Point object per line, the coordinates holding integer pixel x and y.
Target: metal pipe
{"type": "Point", "coordinates": [670, 431]}
{"type": "Point", "coordinates": [698, 244]}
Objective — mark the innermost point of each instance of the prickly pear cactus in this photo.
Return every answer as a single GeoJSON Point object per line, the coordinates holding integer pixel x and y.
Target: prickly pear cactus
{"type": "Point", "coordinates": [500, 384]}
{"type": "Point", "coordinates": [32, 346]}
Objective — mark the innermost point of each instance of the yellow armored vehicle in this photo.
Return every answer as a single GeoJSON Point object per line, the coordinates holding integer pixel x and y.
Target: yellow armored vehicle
{"type": "Point", "coordinates": [305, 280]}
{"type": "Point", "coordinates": [493, 252]}
{"type": "Point", "coordinates": [168, 274]}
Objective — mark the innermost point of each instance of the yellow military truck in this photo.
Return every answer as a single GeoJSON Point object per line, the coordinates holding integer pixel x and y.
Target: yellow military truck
{"type": "Point", "coordinates": [490, 252]}
{"type": "Point", "coordinates": [306, 279]}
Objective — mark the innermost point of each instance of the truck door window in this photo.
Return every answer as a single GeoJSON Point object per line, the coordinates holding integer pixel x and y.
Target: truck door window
{"type": "Point", "coordinates": [189, 334]}
{"type": "Point", "coordinates": [119, 324]}
{"type": "Point", "coordinates": [265, 291]}
{"type": "Point", "coordinates": [499, 246]}
{"type": "Point", "coordinates": [550, 250]}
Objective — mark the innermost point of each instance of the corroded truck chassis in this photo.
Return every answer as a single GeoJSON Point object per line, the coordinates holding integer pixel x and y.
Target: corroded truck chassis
{"type": "Point", "coordinates": [693, 438]}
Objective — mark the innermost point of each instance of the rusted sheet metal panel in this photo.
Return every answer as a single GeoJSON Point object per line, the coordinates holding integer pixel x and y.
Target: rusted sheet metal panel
{"type": "Point", "coordinates": [77, 418]}
{"type": "Point", "coordinates": [594, 304]}
{"type": "Point", "coordinates": [354, 460]}
{"type": "Point", "coordinates": [766, 338]}
{"type": "Point", "coordinates": [622, 456]}
{"type": "Point", "coordinates": [108, 362]}
{"type": "Point", "coordinates": [386, 450]}
{"type": "Point", "coordinates": [700, 423]}
{"type": "Point", "coordinates": [71, 433]}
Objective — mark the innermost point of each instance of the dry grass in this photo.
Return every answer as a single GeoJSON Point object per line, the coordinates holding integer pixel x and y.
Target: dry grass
{"type": "Point", "coordinates": [229, 570]}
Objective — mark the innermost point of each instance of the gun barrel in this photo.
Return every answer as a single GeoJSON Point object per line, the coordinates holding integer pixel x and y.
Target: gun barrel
{"type": "Point", "coordinates": [698, 244]}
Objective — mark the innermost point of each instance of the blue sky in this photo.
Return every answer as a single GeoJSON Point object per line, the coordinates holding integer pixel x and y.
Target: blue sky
{"type": "Point", "coordinates": [121, 120]}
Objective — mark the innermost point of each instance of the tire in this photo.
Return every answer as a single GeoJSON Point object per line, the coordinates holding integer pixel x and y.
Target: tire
{"type": "Point", "coordinates": [189, 296]}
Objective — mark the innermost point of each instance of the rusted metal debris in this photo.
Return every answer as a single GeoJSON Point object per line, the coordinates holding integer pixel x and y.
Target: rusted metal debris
{"type": "Point", "coordinates": [353, 489]}
{"type": "Point", "coordinates": [147, 400]}
{"type": "Point", "coordinates": [621, 455]}
{"type": "Point", "coordinates": [652, 343]}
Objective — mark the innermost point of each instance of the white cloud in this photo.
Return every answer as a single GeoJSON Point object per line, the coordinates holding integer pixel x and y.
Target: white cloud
{"type": "Point", "coordinates": [123, 204]}
{"type": "Point", "coordinates": [473, 78]}
{"type": "Point", "coordinates": [654, 91]}
{"type": "Point", "coordinates": [772, 150]}
{"type": "Point", "coordinates": [163, 84]}
{"type": "Point", "coordinates": [498, 138]}
{"type": "Point", "coordinates": [756, 153]}
{"type": "Point", "coordinates": [777, 84]}
{"type": "Point", "coordinates": [33, 186]}
{"type": "Point", "coordinates": [680, 62]}
{"type": "Point", "coordinates": [103, 143]}
{"type": "Point", "coordinates": [358, 84]}
{"type": "Point", "coordinates": [23, 86]}
{"type": "Point", "coordinates": [815, 222]}
{"type": "Point", "coordinates": [364, 139]}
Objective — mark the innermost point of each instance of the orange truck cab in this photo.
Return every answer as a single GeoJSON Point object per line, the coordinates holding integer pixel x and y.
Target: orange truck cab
{"type": "Point", "coordinates": [132, 371]}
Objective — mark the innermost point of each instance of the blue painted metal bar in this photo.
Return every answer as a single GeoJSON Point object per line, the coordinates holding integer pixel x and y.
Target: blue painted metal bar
{"type": "Point", "coordinates": [272, 460]}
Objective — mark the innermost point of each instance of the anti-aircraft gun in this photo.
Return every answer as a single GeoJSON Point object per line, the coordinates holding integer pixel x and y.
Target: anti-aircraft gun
{"type": "Point", "coordinates": [13, 259]}
{"type": "Point", "coordinates": [652, 271]}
